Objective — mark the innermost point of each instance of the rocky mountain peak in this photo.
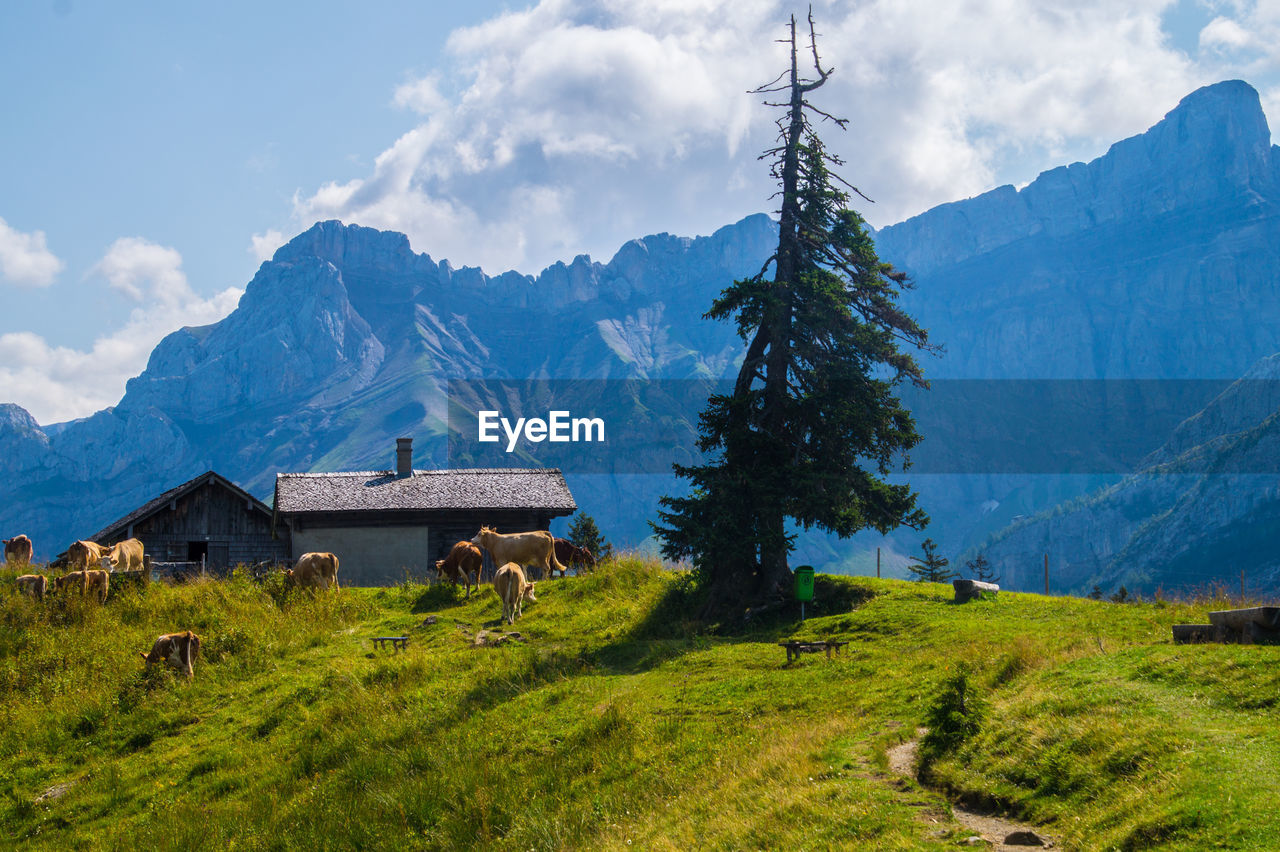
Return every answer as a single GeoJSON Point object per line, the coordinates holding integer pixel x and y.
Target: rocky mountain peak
{"type": "Point", "coordinates": [15, 418]}
{"type": "Point", "coordinates": [1212, 149]}
{"type": "Point", "coordinates": [353, 247]}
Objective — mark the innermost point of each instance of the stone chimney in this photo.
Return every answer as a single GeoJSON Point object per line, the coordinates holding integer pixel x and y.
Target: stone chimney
{"type": "Point", "coordinates": [404, 456]}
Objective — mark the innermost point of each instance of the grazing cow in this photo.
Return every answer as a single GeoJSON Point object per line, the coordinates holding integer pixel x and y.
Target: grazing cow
{"type": "Point", "coordinates": [34, 585]}
{"type": "Point", "coordinates": [178, 650]}
{"type": "Point", "coordinates": [314, 571]}
{"type": "Point", "coordinates": [512, 589]}
{"type": "Point", "coordinates": [125, 555]}
{"type": "Point", "coordinates": [99, 581]}
{"type": "Point", "coordinates": [527, 548]}
{"type": "Point", "coordinates": [82, 554]}
{"type": "Point", "coordinates": [463, 564]}
{"type": "Point", "coordinates": [18, 550]}
{"type": "Point", "coordinates": [570, 554]}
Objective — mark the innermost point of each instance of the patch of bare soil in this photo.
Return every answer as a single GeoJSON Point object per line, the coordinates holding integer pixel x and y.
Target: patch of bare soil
{"type": "Point", "coordinates": [1000, 833]}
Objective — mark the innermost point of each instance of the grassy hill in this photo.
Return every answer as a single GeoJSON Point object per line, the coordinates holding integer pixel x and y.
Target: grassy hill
{"type": "Point", "coordinates": [620, 723]}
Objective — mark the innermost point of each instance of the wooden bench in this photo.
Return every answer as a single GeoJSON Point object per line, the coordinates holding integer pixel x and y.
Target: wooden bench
{"type": "Point", "coordinates": [796, 647]}
{"type": "Point", "coordinates": [399, 643]}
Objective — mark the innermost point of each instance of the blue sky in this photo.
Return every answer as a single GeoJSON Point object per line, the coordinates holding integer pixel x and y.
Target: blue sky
{"type": "Point", "coordinates": [153, 154]}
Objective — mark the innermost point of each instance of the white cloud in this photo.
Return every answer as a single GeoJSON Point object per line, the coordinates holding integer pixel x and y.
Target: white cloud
{"type": "Point", "coordinates": [25, 259]}
{"type": "Point", "coordinates": [422, 96]}
{"type": "Point", "coordinates": [263, 246]}
{"type": "Point", "coordinates": [577, 124]}
{"type": "Point", "coordinates": [58, 383]}
{"type": "Point", "coordinates": [572, 116]}
{"type": "Point", "coordinates": [133, 265]}
{"type": "Point", "coordinates": [1224, 33]}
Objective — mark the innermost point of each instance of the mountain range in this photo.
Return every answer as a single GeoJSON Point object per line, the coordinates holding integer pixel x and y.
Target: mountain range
{"type": "Point", "coordinates": [1155, 261]}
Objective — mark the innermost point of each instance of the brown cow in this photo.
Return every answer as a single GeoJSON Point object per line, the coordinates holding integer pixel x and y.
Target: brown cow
{"type": "Point", "coordinates": [34, 585]}
{"type": "Point", "coordinates": [463, 564]}
{"type": "Point", "coordinates": [314, 571]}
{"type": "Point", "coordinates": [99, 581]}
{"type": "Point", "coordinates": [178, 650]}
{"type": "Point", "coordinates": [535, 547]}
{"type": "Point", "coordinates": [570, 554]}
{"type": "Point", "coordinates": [125, 555]}
{"type": "Point", "coordinates": [512, 590]}
{"type": "Point", "coordinates": [82, 554]}
{"type": "Point", "coordinates": [18, 550]}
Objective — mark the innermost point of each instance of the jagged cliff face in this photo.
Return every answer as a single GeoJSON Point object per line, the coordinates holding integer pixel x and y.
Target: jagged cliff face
{"type": "Point", "coordinates": [1135, 265]}
{"type": "Point", "coordinates": [1159, 260]}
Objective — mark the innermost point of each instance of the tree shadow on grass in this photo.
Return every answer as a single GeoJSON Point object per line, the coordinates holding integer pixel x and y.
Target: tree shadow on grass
{"type": "Point", "coordinates": [439, 596]}
{"type": "Point", "coordinates": [670, 630]}
{"type": "Point", "coordinates": [675, 615]}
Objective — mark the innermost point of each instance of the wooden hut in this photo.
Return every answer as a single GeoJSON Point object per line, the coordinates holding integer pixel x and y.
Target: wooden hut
{"type": "Point", "coordinates": [386, 524]}
{"type": "Point", "coordinates": [208, 520]}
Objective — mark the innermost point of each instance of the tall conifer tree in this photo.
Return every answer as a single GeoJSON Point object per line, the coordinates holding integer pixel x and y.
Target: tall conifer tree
{"type": "Point", "coordinates": [813, 424]}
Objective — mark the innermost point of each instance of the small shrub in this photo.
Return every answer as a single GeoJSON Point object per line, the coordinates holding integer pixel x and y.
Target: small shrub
{"type": "Point", "coordinates": [955, 716]}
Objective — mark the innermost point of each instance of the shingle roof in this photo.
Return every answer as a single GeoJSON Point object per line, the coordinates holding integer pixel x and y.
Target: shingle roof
{"type": "Point", "coordinates": [156, 504]}
{"type": "Point", "coordinates": [383, 490]}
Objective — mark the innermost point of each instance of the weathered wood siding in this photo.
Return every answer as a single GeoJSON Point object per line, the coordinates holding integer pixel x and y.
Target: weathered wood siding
{"type": "Point", "coordinates": [229, 528]}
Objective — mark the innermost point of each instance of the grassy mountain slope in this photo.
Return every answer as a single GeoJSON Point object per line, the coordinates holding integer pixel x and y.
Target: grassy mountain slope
{"type": "Point", "coordinates": [618, 722]}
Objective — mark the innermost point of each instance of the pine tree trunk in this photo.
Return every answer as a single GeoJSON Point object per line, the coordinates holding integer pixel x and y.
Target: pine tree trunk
{"type": "Point", "coordinates": [773, 552]}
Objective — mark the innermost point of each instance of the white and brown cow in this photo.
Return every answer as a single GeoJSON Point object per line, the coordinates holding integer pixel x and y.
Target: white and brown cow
{"type": "Point", "coordinates": [314, 571]}
{"type": "Point", "coordinates": [512, 590]}
{"type": "Point", "coordinates": [34, 585]}
{"type": "Point", "coordinates": [99, 581]}
{"type": "Point", "coordinates": [535, 547]}
{"type": "Point", "coordinates": [83, 554]}
{"type": "Point", "coordinates": [178, 650]}
{"type": "Point", "coordinates": [18, 550]}
{"type": "Point", "coordinates": [463, 565]}
{"type": "Point", "coordinates": [125, 555]}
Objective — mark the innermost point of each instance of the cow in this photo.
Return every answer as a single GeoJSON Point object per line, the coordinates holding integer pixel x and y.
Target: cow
{"type": "Point", "coordinates": [82, 554]}
{"type": "Point", "coordinates": [34, 585]}
{"type": "Point", "coordinates": [125, 555]}
{"type": "Point", "coordinates": [18, 550]}
{"type": "Point", "coordinates": [535, 547]}
{"type": "Point", "coordinates": [178, 650]}
{"type": "Point", "coordinates": [512, 590]}
{"type": "Point", "coordinates": [98, 580]}
{"type": "Point", "coordinates": [570, 554]}
{"type": "Point", "coordinates": [314, 571]}
{"type": "Point", "coordinates": [463, 564]}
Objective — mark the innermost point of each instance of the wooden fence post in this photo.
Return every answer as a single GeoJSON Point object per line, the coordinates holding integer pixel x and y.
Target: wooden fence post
{"type": "Point", "coordinates": [877, 563]}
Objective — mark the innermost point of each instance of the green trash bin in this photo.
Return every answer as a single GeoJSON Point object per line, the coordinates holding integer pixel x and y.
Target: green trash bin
{"type": "Point", "coordinates": [804, 583]}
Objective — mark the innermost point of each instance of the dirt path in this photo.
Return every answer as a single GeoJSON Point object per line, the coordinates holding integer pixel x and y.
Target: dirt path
{"type": "Point", "coordinates": [993, 829]}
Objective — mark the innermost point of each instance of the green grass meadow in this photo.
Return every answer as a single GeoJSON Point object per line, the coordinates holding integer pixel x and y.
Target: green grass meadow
{"type": "Point", "coordinates": [621, 722]}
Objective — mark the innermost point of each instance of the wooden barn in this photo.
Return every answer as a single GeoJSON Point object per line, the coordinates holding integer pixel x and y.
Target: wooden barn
{"type": "Point", "coordinates": [209, 519]}
{"type": "Point", "coordinates": [384, 525]}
